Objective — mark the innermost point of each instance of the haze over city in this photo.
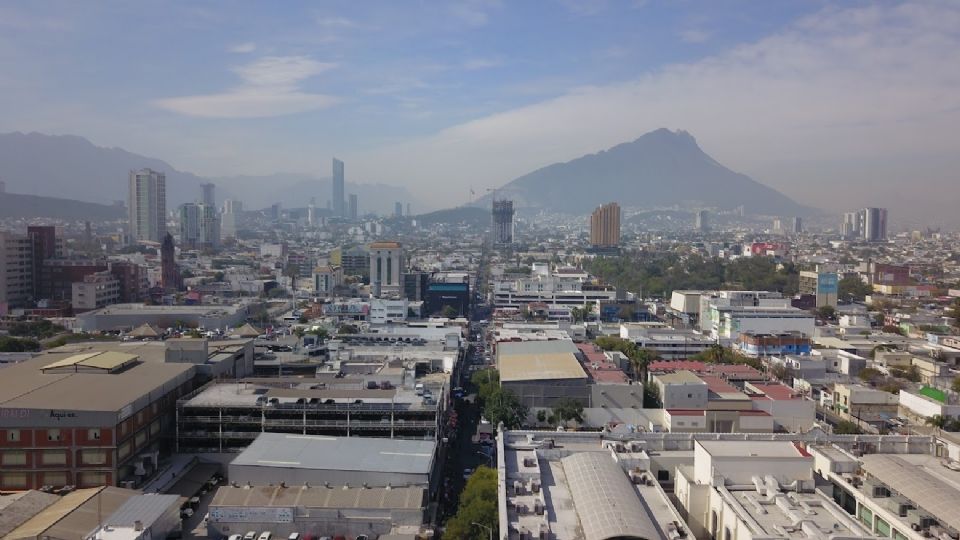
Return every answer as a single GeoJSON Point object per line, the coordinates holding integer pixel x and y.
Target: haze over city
{"type": "Point", "coordinates": [824, 102]}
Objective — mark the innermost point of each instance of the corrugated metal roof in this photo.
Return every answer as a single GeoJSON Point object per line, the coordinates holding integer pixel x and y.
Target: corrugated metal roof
{"type": "Point", "coordinates": [146, 509]}
{"type": "Point", "coordinates": [917, 484]}
{"type": "Point", "coordinates": [320, 497]}
{"type": "Point", "coordinates": [607, 503]}
{"type": "Point", "coordinates": [367, 454]}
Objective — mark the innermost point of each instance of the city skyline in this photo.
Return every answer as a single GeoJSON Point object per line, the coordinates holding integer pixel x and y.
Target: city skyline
{"type": "Point", "coordinates": [857, 133]}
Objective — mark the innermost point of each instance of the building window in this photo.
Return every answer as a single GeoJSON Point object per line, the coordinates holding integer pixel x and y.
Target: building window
{"type": "Point", "coordinates": [93, 434]}
{"type": "Point", "coordinates": [140, 439]}
{"type": "Point", "coordinates": [13, 458]}
{"type": "Point", "coordinates": [93, 457]}
{"type": "Point", "coordinates": [92, 479]}
{"type": "Point", "coordinates": [54, 479]}
{"type": "Point", "coordinates": [663, 476]}
{"type": "Point", "coordinates": [13, 480]}
{"type": "Point", "coordinates": [54, 457]}
{"type": "Point", "coordinates": [13, 435]}
{"type": "Point", "coordinates": [53, 435]}
{"type": "Point", "coordinates": [123, 451]}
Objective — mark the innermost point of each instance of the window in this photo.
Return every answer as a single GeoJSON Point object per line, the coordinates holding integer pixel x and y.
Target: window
{"type": "Point", "coordinates": [663, 476]}
{"type": "Point", "coordinates": [140, 439]}
{"type": "Point", "coordinates": [54, 457]}
{"type": "Point", "coordinates": [93, 457]}
{"type": "Point", "coordinates": [53, 435]}
{"type": "Point", "coordinates": [54, 479]}
{"type": "Point", "coordinates": [12, 458]}
{"type": "Point", "coordinates": [155, 427]}
{"type": "Point", "coordinates": [882, 527]}
{"type": "Point", "coordinates": [92, 479]}
{"type": "Point", "coordinates": [124, 450]}
{"type": "Point", "coordinates": [13, 435]}
{"type": "Point", "coordinates": [139, 417]}
{"type": "Point", "coordinates": [13, 480]}
{"type": "Point", "coordinates": [93, 434]}
{"type": "Point", "coordinates": [866, 516]}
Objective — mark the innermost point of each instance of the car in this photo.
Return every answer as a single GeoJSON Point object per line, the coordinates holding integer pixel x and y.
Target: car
{"type": "Point", "coordinates": [294, 536]}
{"type": "Point", "coordinates": [235, 537]}
{"type": "Point", "coordinates": [186, 513]}
{"type": "Point", "coordinates": [251, 535]}
{"type": "Point", "coordinates": [265, 535]}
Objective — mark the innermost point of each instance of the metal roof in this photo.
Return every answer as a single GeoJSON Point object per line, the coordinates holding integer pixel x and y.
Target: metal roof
{"type": "Point", "coordinates": [916, 483]}
{"type": "Point", "coordinates": [320, 497]}
{"type": "Point", "coordinates": [146, 509]}
{"type": "Point", "coordinates": [608, 505]}
{"type": "Point", "coordinates": [538, 360]}
{"type": "Point", "coordinates": [365, 454]}
{"type": "Point", "coordinates": [75, 515]}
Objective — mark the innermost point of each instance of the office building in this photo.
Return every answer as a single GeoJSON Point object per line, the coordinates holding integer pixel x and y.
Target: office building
{"type": "Point", "coordinates": [874, 224]}
{"type": "Point", "coordinates": [398, 209]}
{"type": "Point", "coordinates": [230, 218]}
{"type": "Point", "coordinates": [797, 225]}
{"type": "Point", "coordinates": [851, 225]}
{"type": "Point", "coordinates": [338, 188]}
{"type": "Point", "coordinates": [132, 280]}
{"type": "Point", "coordinates": [209, 198]}
{"type": "Point", "coordinates": [57, 276]}
{"type": "Point", "coordinates": [502, 222]}
{"type": "Point", "coordinates": [562, 287]}
{"type": "Point", "coordinates": [823, 285]}
{"type": "Point", "coordinates": [46, 245]}
{"type": "Point", "coordinates": [415, 285]}
{"type": "Point", "coordinates": [701, 221]}
{"type": "Point", "coordinates": [354, 207]}
{"type": "Point", "coordinates": [386, 267]}
{"type": "Point", "coordinates": [95, 291]}
{"type": "Point", "coordinates": [147, 206]}
{"type": "Point", "coordinates": [16, 271]}
{"type": "Point", "coordinates": [355, 261]}
{"type": "Point", "coordinates": [199, 226]}
{"type": "Point", "coordinates": [326, 279]}
{"type": "Point", "coordinates": [605, 226]}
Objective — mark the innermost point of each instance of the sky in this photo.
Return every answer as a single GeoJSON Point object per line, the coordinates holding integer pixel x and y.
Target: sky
{"type": "Point", "coordinates": [836, 104]}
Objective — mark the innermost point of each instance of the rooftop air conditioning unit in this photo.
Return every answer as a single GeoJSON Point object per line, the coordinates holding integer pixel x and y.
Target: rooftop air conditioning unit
{"type": "Point", "coordinates": [538, 508]}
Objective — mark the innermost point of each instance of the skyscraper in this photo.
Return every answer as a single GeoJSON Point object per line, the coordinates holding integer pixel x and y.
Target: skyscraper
{"type": "Point", "coordinates": [701, 221]}
{"type": "Point", "coordinates": [338, 202]}
{"type": "Point", "coordinates": [230, 218]}
{"type": "Point", "coordinates": [851, 225]}
{"type": "Point", "coordinates": [386, 267]}
{"type": "Point", "coordinates": [208, 194]}
{"type": "Point", "coordinates": [502, 222]}
{"type": "Point", "coordinates": [398, 209]}
{"type": "Point", "coordinates": [605, 226]}
{"type": "Point", "coordinates": [354, 207]}
{"type": "Point", "coordinates": [199, 226]}
{"type": "Point", "coordinates": [147, 206]}
{"type": "Point", "coordinates": [797, 225]}
{"type": "Point", "coordinates": [874, 224]}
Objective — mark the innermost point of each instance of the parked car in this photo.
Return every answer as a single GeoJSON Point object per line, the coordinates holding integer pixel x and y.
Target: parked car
{"type": "Point", "coordinates": [235, 537]}
{"type": "Point", "coordinates": [251, 535]}
{"type": "Point", "coordinates": [265, 535]}
{"type": "Point", "coordinates": [294, 536]}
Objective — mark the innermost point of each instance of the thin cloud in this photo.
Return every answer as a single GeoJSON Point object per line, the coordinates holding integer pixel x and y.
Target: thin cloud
{"type": "Point", "coordinates": [695, 35]}
{"type": "Point", "coordinates": [335, 22]}
{"type": "Point", "coordinates": [270, 88]}
{"type": "Point", "coordinates": [849, 85]}
{"type": "Point", "coordinates": [243, 48]}
{"type": "Point", "coordinates": [482, 63]}
{"type": "Point", "coordinates": [473, 12]}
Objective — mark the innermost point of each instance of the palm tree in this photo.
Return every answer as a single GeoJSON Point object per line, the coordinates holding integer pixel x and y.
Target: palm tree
{"type": "Point", "coordinates": [716, 353]}
{"type": "Point", "coordinates": [640, 360]}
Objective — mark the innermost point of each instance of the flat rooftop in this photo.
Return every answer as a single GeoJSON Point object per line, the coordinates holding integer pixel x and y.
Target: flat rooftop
{"type": "Point", "coordinates": [680, 377]}
{"type": "Point", "coordinates": [538, 360]}
{"type": "Point", "coordinates": [334, 497]}
{"type": "Point", "coordinates": [776, 518]}
{"type": "Point", "coordinates": [361, 454]}
{"type": "Point", "coordinates": [247, 393]}
{"type": "Point", "coordinates": [748, 449]}
{"type": "Point", "coordinates": [26, 386]}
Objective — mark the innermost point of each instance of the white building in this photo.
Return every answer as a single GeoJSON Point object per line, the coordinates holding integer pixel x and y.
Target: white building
{"type": "Point", "coordinates": [199, 226]}
{"type": "Point", "coordinates": [564, 286]}
{"type": "Point", "coordinates": [96, 291]}
{"type": "Point", "coordinates": [326, 278]}
{"type": "Point", "coordinates": [668, 343]}
{"type": "Point", "coordinates": [724, 315]}
{"type": "Point", "coordinates": [385, 311]}
{"type": "Point", "coordinates": [386, 267]}
{"type": "Point", "coordinates": [147, 206]}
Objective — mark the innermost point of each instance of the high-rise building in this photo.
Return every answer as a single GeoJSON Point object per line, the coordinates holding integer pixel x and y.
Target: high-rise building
{"type": "Point", "coordinates": [398, 209]}
{"type": "Point", "coordinates": [701, 221]}
{"type": "Point", "coordinates": [147, 206]}
{"type": "Point", "coordinates": [354, 207]}
{"type": "Point", "coordinates": [874, 224]}
{"type": "Point", "coordinates": [46, 246]}
{"type": "Point", "coordinates": [605, 226]}
{"type": "Point", "coordinates": [276, 210]}
{"type": "Point", "coordinates": [386, 267]}
{"type": "Point", "coordinates": [777, 226]}
{"type": "Point", "coordinates": [209, 198]}
{"type": "Point", "coordinates": [16, 271]}
{"type": "Point", "coordinates": [502, 222]}
{"type": "Point", "coordinates": [797, 225]}
{"type": "Point", "coordinates": [338, 185]}
{"type": "Point", "coordinates": [230, 218]}
{"type": "Point", "coordinates": [169, 276]}
{"type": "Point", "coordinates": [408, 210]}
{"type": "Point", "coordinates": [199, 226]}
{"type": "Point", "coordinates": [851, 225]}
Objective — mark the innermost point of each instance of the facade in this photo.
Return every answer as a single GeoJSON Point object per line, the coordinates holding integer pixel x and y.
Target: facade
{"type": "Point", "coordinates": [169, 275]}
{"type": "Point", "coordinates": [16, 271]}
{"type": "Point", "coordinates": [823, 285]}
{"type": "Point", "coordinates": [502, 222]}
{"type": "Point", "coordinates": [355, 261]}
{"type": "Point", "coordinates": [415, 285]}
{"type": "Point", "coordinates": [95, 291]}
{"type": "Point", "coordinates": [540, 373]}
{"type": "Point", "coordinates": [132, 279]}
{"type": "Point", "coordinates": [668, 343]}
{"type": "Point", "coordinates": [562, 287]}
{"type": "Point", "coordinates": [702, 221]}
{"type": "Point", "coordinates": [861, 404]}
{"type": "Point", "coordinates": [57, 276]}
{"type": "Point", "coordinates": [724, 315]}
{"type": "Point", "coordinates": [759, 345]}
{"type": "Point", "coordinates": [338, 188]}
{"type": "Point", "coordinates": [354, 211]}
{"type": "Point", "coordinates": [327, 278]}
{"type": "Point", "coordinates": [230, 218]}
{"type": "Point", "coordinates": [874, 224]}
{"type": "Point", "coordinates": [386, 267]}
{"type": "Point", "coordinates": [605, 226]}
{"type": "Point", "coordinates": [127, 316]}
{"type": "Point", "coordinates": [147, 206]}
{"type": "Point", "coordinates": [199, 226]}
{"type": "Point", "coordinates": [209, 198]}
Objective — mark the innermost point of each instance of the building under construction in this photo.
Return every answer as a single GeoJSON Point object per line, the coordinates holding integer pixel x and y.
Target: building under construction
{"type": "Point", "coordinates": [502, 222]}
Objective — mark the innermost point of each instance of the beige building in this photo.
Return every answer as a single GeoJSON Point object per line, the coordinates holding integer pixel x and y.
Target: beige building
{"type": "Point", "coordinates": [605, 226]}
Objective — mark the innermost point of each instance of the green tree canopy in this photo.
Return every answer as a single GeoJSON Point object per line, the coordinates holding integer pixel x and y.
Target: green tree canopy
{"type": "Point", "coordinates": [487, 382]}
{"type": "Point", "coordinates": [478, 504]}
{"type": "Point", "coordinates": [504, 406]}
{"type": "Point", "coordinates": [846, 427]}
{"type": "Point", "coordinates": [568, 410]}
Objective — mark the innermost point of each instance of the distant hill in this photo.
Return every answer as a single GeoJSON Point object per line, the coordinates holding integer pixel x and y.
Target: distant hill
{"type": "Point", "coordinates": [72, 167]}
{"type": "Point", "coordinates": [466, 215]}
{"type": "Point", "coordinates": [14, 205]}
{"type": "Point", "coordinates": [662, 168]}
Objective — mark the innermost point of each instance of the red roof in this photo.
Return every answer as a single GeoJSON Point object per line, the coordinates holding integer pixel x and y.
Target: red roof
{"type": "Point", "coordinates": [686, 412]}
{"type": "Point", "coordinates": [668, 365]}
{"type": "Point", "coordinates": [776, 391]}
{"type": "Point", "coordinates": [718, 385]}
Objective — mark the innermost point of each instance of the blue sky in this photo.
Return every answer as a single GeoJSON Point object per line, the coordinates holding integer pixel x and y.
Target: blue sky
{"type": "Point", "coordinates": [443, 95]}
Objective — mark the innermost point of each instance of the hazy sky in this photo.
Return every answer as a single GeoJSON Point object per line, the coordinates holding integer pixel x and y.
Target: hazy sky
{"type": "Point", "coordinates": [835, 104]}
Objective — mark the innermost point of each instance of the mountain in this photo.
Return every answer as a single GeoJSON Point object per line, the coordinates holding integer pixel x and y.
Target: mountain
{"type": "Point", "coordinates": [660, 169]}
{"type": "Point", "coordinates": [72, 167]}
{"type": "Point", "coordinates": [465, 215]}
{"type": "Point", "coordinates": [13, 205]}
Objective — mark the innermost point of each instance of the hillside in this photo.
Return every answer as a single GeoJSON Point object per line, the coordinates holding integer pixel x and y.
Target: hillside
{"type": "Point", "coordinates": [14, 205]}
{"type": "Point", "coordinates": [660, 169]}
{"type": "Point", "coordinates": [466, 215]}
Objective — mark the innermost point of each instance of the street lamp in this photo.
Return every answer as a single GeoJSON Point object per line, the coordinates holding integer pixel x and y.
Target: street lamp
{"type": "Point", "coordinates": [487, 527]}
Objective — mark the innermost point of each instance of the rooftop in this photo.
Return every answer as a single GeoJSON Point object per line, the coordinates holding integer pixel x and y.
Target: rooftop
{"type": "Point", "coordinates": [921, 478]}
{"type": "Point", "coordinates": [744, 449]}
{"type": "Point", "coordinates": [538, 360]}
{"type": "Point", "coordinates": [367, 454]}
{"type": "Point", "coordinates": [410, 498]}
{"type": "Point", "coordinates": [680, 377]}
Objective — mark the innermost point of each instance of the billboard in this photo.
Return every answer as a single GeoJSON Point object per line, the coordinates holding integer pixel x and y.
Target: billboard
{"type": "Point", "coordinates": [828, 284]}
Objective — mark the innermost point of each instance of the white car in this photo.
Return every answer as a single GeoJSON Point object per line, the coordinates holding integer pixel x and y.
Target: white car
{"type": "Point", "coordinates": [265, 535]}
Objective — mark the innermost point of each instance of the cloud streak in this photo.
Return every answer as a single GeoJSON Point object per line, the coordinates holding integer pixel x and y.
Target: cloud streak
{"type": "Point", "coordinates": [270, 87]}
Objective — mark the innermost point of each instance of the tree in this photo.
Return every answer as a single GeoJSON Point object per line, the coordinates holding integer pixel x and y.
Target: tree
{"type": "Point", "coordinates": [846, 427]}
{"type": "Point", "coordinates": [880, 348]}
{"type": "Point", "coordinates": [651, 396]}
{"type": "Point", "coordinates": [568, 410]}
{"type": "Point", "coordinates": [12, 344]}
{"type": "Point", "coordinates": [487, 381]}
{"type": "Point", "coordinates": [640, 360]}
{"type": "Point", "coordinates": [478, 504]}
{"type": "Point", "coordinates": [826, 313]}
{"type": "Point", "coordinates": [782, 372]}
{"type": "Point", "coordinates": [938, 421]}
{"type": "Point", "coordinates": [869, 374]}
{"type": "Point", "coordinates": [852, 287]}
{"type": "Point", "coordinates": [347, 329]}
{"type": "Point", "coordinates": [504, 406]}
{"type": "Point", "coordinates": [319, 331]}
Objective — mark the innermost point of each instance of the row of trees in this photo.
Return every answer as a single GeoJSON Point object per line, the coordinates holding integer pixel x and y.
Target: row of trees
{"type": "Point", "coordinates": [639, 357]}
{"type": "Point", "coordinates": [476, 517]}
{"type": "Point", "coordinates": [498, 404]}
